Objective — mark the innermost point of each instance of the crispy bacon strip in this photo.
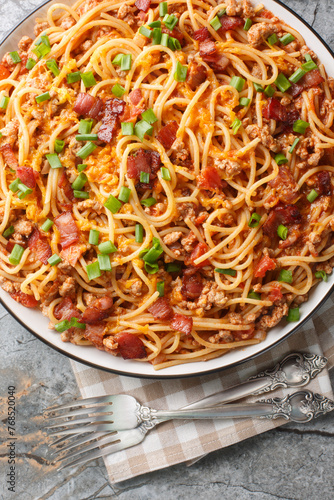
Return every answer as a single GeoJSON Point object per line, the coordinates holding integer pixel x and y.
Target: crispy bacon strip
{"type": "Point", "coordinates": [288, 215]}
{"type": "Point", "coordinates": [196, 75]}
{"type": "Point", "coordinates": [24, 299]}
{"type": "Point", "coordinates": [113, 110]}
{"type": "Point", "coordinates": [95, 334]}
{"type": "Point", "coordinates": [136, 96]}
{"type": "Point", "coordinates": [207, 48]}
{"type": "Point", "coordinates": [96, 110]}
{"type": "Point", "coordinates": [209, 179]}
{"type": "Point", "coordinates": [285, 186]}
{"type": "Point", "coordinates": [9, 156]}
{"type": "Point", "coordinates": [230, 23]}
{"type": "Point", "coordinates": [264, 265]}
{"type": "Point", "coordinates": [130, 346]}
{"type": "Point", "coordinates": [161, 309]}
{"type": "Point", "coordinates": [64, 184]}
{"type": "Point", "coordinates": [191, 285]}
{"type": "Point", "coordinates": [199, 250]}
{"type": "Point", "coordinates": [66, 310]}
{"type": "Point", "coordinates": [143, 5]}
{"type": "Point", "coordinates": [167, 134]}
{"type": "Point", "coordinates": [143, 161]}
{"type": "Point", "coordinates": [67, 227]}
{"type": "Point", "coordinates": [39, 245]}
{"type": "Point", "coordinates": [84, 103]}
{"type": "Point", "coordinates": [182, 323]}
{"type": "Point", "coordinates": [98, 310]}
{"type": "Point", "coordinates": [72, 254]}
{"type": "Point", "coordinates": [28, 176]}
{"type": "Point", "coordinates": [324, 183]}
{"type": "Point", "coordinates": [201, 34]}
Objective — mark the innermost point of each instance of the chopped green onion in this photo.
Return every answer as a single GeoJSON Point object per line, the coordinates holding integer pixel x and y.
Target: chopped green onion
{"type": "Point", "coordinates": [85, 126]}
{"type": "Point", "coordinates": [80, 194]}
{"type": "Point", "coordinates": [43, 39]}
{"type": "Point", "coordinates": [155, 24]}
{"type": "Point", "coordinates": [59, 145]}
{"type": "Point", "coordinates": [294, 144]}
{"type": "Point", "coordinates": [86, 137]}
{"type": "Point", "coordinates": [254, 295]}
{"type": "Point", "coordinates": [81, 167]}
{"type": "Point", "coordinates": [288, 38]}
{"type": "Point", "coordinates": [244, 101]}
{"type": "Point", "coordinates": [93, 270]}
{"type": "Point", "coordinates": [62, 326]}
{"type": "Point", "coordinates": [14, 186]}
{"type": "Point", "coordinates": [229, 272]}
{"type": "Point", "coordinates": [173, 267]}
{"type": "Point", "coordinates": [269, 91]}
{"type": "Point", "coordinates": [282, 83]}
{"type": "Point", "coordinates": [272, 39]}
{"type": "Point", "coordinates": [52, 65]}
{"type": "Point", "coordinates": [86, 150]}
{"type": "Point", "coordinates": [124, 194]}
{"type": "Point", "coordinates": [161, 288]}
{"type": "Point", "coordinates": [165, 174]}
{"type": "Point", "coordinates": [73, 77]}
{"type": "Point", "coordinates": [148, 202]}
{"type": "Point", "coordinates": [88, 79]}
{"type": "Point", "coordinates": [258, 87]}
{"type": "Point", "coordinates": [293, 315]}
{"type": "Point", "coordinates": [47, 225]}
{"type": "Point", "coordinates": [156, 36]}
{"type": "Point", "coordinates": [113, 204]}
{"type": "Point", "coordinates": [8, 232]}
{"type": "Point", "coordinates": [164, 39]}
{"type": "Point", "coordinates": [144, 177]}
{"type": "Point", "coordinates": [126, 62]}
{"type": "Point", "coordinates": [285, 276]}
{"type": "Point", "coordinates": [215, 23]}
{"type": "Point", "coordinates": [54, 260]}
{"type": "Point", "coordinates": [221, 12]}
{"type": "Point", "coordinates": [254, 221]}
{"type": "Point", "coordinates": [282, 232]}
{"type": "Point", "coordinates": [15, 57]}
{"type": "Point", "coordinates": [42, 50]}
{"type": "Point", "coordinates": [94, 235]}
{"type": "Point", "coordinates": [163, 9]}
{"type": "Point", "coordinates": [30, 63]}
{"type": "Point", "coordinates": [149, 116]}
{"type": "Point", "coordinates": [151, 267]}
{"type": "Point", "coordinates": [319, 275]}
{"type": "Point", "coordinates": [127, 128]}
{"type": "Point", "coordinates": [145, 32]}
{"type": "Point", "coordinates": [300, 126]}
{"type": "Point", "coordinates": [236, 124]}
{"type": "Point", "coordinates": [24, 190]}
{"type": "Point", "coordinates": [248, 24]}
{"type": "Point", "coordinates": [141, 128]}
{"type": "Point", "coordinates": [118, 59]}
{"type": "Point", "coordinates": [174, 44]}
{"type": "Point", "coordinates": [154, 252]}
{"type": "Point", "coordinates": [139, 233]}
{"type": "Point", "coordinates": [107, 247]}
{"type": "Point", "coordinates": [309, 65]}
{"type": "Point", "coordinates": [43, 97]}
{"type": "Point", "coordinates": [308, 57]}
{"type": "Point", "coordinates": [180, 74]}
{"type": "Point", "coordinates": [118, 90]}
{"type": "Point", "coordinates": [297, 75]}
{"type": "Point", "coordinates": [4, 102]}
{"type": "Point", "coordinates": [16, 254]}
{"type": "Point", "coordinates": [237, 82]}
{"type": "Point", "coordinates": [53, 160]}
{"type": "Point", "coordinates": [104, 262]}
{"type": "Point", "coordinates": [74, 323]}
{"type": "Point", "coordinates": [312, 196]}
{"type": "Point", "coordinates": [170, 21]}
{"type": "Point", "coordinates": [280, 159]}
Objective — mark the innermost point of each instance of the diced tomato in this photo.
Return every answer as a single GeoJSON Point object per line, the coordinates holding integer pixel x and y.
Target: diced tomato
{"type": "Point", "coordinates": [130, 346]}
{"type": "Point", "coordinates": [67, 227]}
{"type": "Point", "coordinates": [40, 246]}
{"type": "Point", "coordinates": [4, 72]}
{"type": "Point", "coordinates": [275, 294]}
{"type": "Point", "coordinates": [167, 134]}
{"type": "Point", "coordinates": [98, 310]}
{"type": "Point", "coordinates": [182, 323]}
{"type": "Point", "coordinates": [161, 309]}
{"type": "Point", "coordinates": [24, 299]}
{"type": "Point", "coordinates": [28, 176]}
{"type": "Point", "coordinates": [209, 179]}
{"type": "Point", "coordinates": [264, 265]}
{"type": "Point", "coordinates": [199, 250]}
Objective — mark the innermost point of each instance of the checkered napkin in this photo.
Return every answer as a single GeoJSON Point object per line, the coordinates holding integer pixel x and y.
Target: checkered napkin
{"type": "Point", "coordinates": [185, 441]}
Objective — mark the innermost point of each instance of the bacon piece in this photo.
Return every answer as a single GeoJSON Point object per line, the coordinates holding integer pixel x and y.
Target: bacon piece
{"type": "Point", "coordinates": [64, 184]}
{"type": "Point", "coordinates": [96, 110]}
{"type": "Point", "coordinates": [174, 33]}
{"type": "Point", "coordinates": [24, 299]}
{"type": "Point", "coordinates": [264, 265]}
{"type": "Point", "coordinates": [130, 346]}
{"type": "Point", "coordinates": [182, 323]}
{"type": "Point", "coordinates": [274, 110]}
{"type": "Point", "coordinates": [167, 134]}
{"type": "Point", "coordinates": [161, 309]}
{"type": "Point", "coordinates": [218, 62]}
{"type": "Point", "coordinates": [67, 227]}
{"type": "Point", "coordinates": [275, 294]}
{"type": "Point", "coordinates": [28, 176]}
{"type": "Point", "coordinates": [191, 285]}
{"type": "Point", "coordinates": [143, 161]}
{"type": "Point", "coordinates": [293, 235]}
{"type": "Point", "coordinates": [289, 214]}
{"type": "Point", "coordinates": [230, 23]}
{"type": "Point", "coordinates": [295, 90]}
{"type": "Point", "coordinates": [4, 72]}
{"type": "Point", "coordinates": [209, 179]}
{"type": "Point", "coordinates": [95, 334]}
{"type": "Point", "coordinates": [84, 103]}
{"type": "Point", "coordinates": [199, 250]}
{"type": "Point", "coordinates": [196, 75]}
{"type": "Point", "coordinates": [135, 96]}
{"type": "Point", "coordinates": [39, 245]}
{"type": "Point", "coordinates": [113, 109]}
{"type": "Point", "coordinates": [207, 48]}
{"type": "Point", "coordinates": [311, 79]}
{"type": "Point", "coordinates": [72, 254]}
{"type": "Point", "coordinates": [324, 183]}
{"type": "Point", "coordinates": [143, 5]}
{"type": "Point", "coordinates": [285, 185]}
{"type": "Point", "coordinates": [201, 34]}
{"type": "Point", "coordinates": [98, 310]}
{"type": "Point", "coordinates": [66, 310]}
{"type": "Point", "coordinates": [8, 154]}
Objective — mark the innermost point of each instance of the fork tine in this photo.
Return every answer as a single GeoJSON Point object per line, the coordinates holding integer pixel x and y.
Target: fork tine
{"type": "Point", "coordinates": [75, 441]}
{"type": "Point", "coordinates": [83, 429]}
{"type": "Point", "coordinates": [104, 418]}
{"type": "Point", "coordinates": [109, 439]}
{"type": "Point", "coordinates": [84, 411]}
{"type": "Point", "coordinates": [91, 401]}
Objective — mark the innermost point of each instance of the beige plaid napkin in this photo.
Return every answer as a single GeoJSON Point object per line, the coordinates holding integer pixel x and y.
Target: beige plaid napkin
{"type": "Point", "coordinates": [183, 441]}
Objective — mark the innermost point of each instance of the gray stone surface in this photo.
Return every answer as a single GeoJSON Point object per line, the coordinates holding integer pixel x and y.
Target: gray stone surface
{"type": "Point", "coordinates": [290, 463]}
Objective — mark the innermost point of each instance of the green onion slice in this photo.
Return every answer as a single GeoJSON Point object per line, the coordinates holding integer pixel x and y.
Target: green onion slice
{"type": "Point", "coordinates": [139, 233]}
{"type": "Point", "coordinates": [124, 194]}
{"type": "Point", "coordinates": [54, 260]}
{"type": "Point", "coordinates": [73, 77]}
{"type": "Point", "coordinates": [107, 247]}
{"type": "Point", "coordinates": [254, 295]}
{"type": "Point", "coordinates": [165, 174]}
{"type": "Point", "coordinates": [15, 57]}
{"type": "Point", "coordinates": [43, 97]}
{"type": "Point", "coordinates": [148, 202]}
{"type": "Point", "coordinates": [287, 38]}
{"type": "Point", "coordinates": [282, 232]}
{"type": "Point", "coordinates": [88, 79]}
{"type": "Point", "coordinates": [86, 150]}
{"type": "Point", "coordinates": [93, 270]}
{"type": "Point", "coordinates": [94, 236]}
{"type": "Point", "coordinates": [52, 65]}
{"type": "Point", "coordinates": [149, 116]}
{"type": "Point", "coordinates": [254, 221]}
{"type": "Point", "coordinates": [113, 204]}
{"type": "Point", "coordinates": [104, 262]}
{"type": "Point", "coordinates": [161, 288]}
{"type": "Point", "coordinates": [54, 160]}
{"type": "Point", "coordinates": [294, 144]}
{"type": "Point", "coordinates": [237, 82]}
{"type": "Point", "coordinates": [293, 315]}
{"type": "Point", "coordinates": [16, 254]}
{"type": "Point", "coordinates": [282, 83]}
{"type": "Point", "coordinates": [85, 126]}
{"type": "Point", "coordinates": [118, 90]}
{"type": "Point", "coordinates": [280, 159]}
{"type": "Point", "coordinates": [285, 276]}
{"type": "Point", "coordinates": [300, 126]}
{"type": "Point", "coordinates": [321, 275]}
{"type": "Point", "coordinates": [127, 128]}
{"type": "Point", "coordinates": [173, 267]}
{"type": "Point", "coordinates": [59, 145]}
{"type": "Point", "coordinates": [144, 177]}
{"type": "Point", "coordinates": [47, 225]}
{"type": "Point", "coordinates": [8, 232]}
{"type": "Point", "coordinates": [180, 74]}
{"type": "Point", "coordinates": [229, 272]}
{"type": "Point", "coordinates": [215, 23]}
{"type": "Point", "coordinates": [79, 182]}
{"type": "Point", "coordinates": [312, 196]}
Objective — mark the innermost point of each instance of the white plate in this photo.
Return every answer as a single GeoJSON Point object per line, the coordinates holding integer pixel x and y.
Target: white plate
{"type": "Point", "coordinates": [37, 324]}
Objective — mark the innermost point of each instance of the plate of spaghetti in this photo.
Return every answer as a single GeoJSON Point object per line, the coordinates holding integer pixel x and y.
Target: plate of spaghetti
{"type": "Point", "coordinates": [166, 190]}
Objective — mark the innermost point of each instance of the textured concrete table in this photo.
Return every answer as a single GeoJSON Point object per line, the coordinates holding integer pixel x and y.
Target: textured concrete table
{"type": "Point", "coordinates": [292, 462]}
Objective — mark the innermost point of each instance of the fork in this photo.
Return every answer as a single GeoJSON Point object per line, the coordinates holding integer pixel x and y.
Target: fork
{"type": "Point", "coordinates": [301, 406]}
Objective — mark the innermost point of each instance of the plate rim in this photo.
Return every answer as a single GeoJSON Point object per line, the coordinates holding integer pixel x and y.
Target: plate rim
{"type": "Point", "coordinates": [205, 372]}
